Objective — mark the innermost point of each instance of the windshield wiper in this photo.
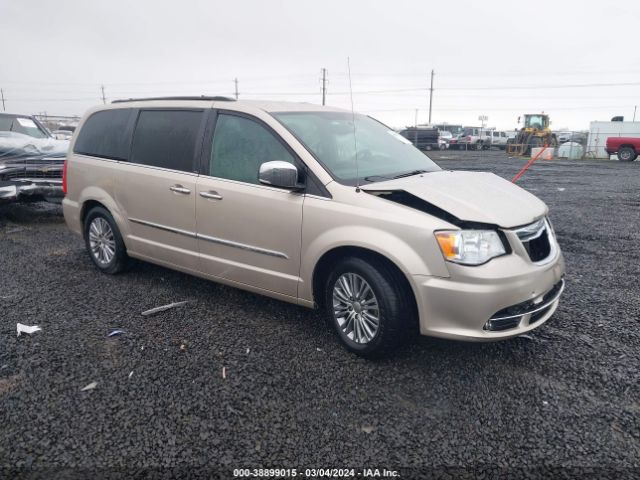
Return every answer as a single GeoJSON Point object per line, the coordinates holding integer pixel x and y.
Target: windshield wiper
{"type": "Point", "coordinates": [370, 178]}
{"type": "Point", "coordinates": [410, 174]}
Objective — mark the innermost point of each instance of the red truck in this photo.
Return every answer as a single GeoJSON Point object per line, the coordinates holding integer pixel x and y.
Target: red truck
{"type": "Point", "coordinates": [627, 148]}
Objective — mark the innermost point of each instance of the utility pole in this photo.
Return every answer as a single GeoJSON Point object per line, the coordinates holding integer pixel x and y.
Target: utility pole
{"type": "Point", "coordinates": [634, 110]}
{"type": "Point", "coordinates": [235, 80]}
{"type": "Point", "coordinates": [104, 99]}
{"type": "Point", "coordinates": [430, 97]}
{"type": "Point", "coordinates": [324, 85]}
{"type": "Point", "coordinates": [4, 109]}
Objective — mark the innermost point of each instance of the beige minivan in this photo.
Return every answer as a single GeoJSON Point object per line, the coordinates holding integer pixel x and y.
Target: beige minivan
{"type": "Point", "coordinates": [316, 206]}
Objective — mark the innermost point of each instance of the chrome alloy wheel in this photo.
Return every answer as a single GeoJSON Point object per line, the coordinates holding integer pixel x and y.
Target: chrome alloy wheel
{"type": "Point", "coordinates": [102, 241]}
{"type": "Point", "coordinates": [355, 308]}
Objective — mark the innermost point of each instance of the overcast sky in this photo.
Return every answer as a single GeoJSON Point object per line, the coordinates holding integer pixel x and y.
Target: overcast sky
{"type": "Point", "coordinates": [578, 61]}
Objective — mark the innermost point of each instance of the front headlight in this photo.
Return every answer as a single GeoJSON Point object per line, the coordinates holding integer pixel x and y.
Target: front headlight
{"type": "Point", "coordinates": [470, 247]}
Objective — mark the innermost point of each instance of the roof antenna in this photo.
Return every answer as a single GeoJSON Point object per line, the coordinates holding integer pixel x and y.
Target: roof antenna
{"type": "Point", "coordinates": [353, 120]}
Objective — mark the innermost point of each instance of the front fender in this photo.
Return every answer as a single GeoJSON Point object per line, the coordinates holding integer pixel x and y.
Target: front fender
{"type": "Point", "coordinates": [396, 249]}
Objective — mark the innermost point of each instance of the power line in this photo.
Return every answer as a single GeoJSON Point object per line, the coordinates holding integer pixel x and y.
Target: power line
{"type": "Point", "coordinates": [541, 87]}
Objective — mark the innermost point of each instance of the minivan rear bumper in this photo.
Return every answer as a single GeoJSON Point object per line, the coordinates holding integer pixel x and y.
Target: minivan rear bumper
{"type": "Point", "coordinates": [71, 212]}
{"type": "Point", "coordinates": [461, 306]}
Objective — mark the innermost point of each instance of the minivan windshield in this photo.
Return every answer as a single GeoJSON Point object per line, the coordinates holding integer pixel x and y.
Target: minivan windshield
{"type": "Point", "coordinates": [382, 153]}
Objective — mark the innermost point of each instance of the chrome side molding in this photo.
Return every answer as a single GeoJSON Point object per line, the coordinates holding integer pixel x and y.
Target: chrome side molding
{"type": "Point", "coordinates": [220, 241]}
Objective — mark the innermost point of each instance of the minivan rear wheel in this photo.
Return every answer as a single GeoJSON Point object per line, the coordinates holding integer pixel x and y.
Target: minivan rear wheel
{"type": "Point", "coordinates": [104, 242]}
{"type": "Point", "coordinates": [368, 306]}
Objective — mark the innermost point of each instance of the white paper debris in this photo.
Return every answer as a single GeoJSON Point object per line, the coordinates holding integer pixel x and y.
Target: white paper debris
{"type": "Point", "coordinates": [116, 332]}
{"type": "Point", "coordinates": [27, 329]}
{"type": "Point", "coordinates": [131, 374]}
{"type": "Point", "coordinates": [91, 386]}
{"type": "Point", "coordinates": [153, 311]}
{"type": "Point", "coordinates": [248, 350]}
{"type": "Point", "coordinates": [524, 335]}
{"type": "Point", "coordinates": [26, 122]}
{"type": "Point", "coordinates": [224, 372]}
{"type": "Point", "coordinates": [561, 189]}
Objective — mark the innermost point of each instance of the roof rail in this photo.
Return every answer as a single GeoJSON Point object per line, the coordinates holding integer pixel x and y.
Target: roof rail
{"type": "Point", "coordinates": [201, 97]}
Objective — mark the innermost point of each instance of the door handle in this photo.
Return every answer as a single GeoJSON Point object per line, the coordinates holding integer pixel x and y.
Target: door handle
{"type": "Point", "coordinates": [211, 194]}
{"type": "Point", "coordinates": [180, 189]}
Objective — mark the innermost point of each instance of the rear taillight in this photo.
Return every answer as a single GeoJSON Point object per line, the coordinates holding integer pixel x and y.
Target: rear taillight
{"type": "Point", "coordinates": [64, 177]}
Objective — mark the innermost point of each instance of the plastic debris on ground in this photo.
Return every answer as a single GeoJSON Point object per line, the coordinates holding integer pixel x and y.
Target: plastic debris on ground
{"type": "Point", "coordinates": [224, 372]}
{"type": "Point", "coordinates": [115, 333]}
{"type": "Point", "coordinates": [571, 150]}
{"type": "Point", "coordinates": [130, 374]}
{"type": "Point", "coordinates": [91, 386]}
{"type": "Point", "coordinates": [153, 311]}
{"type": "Point", "coordinates": [368, 429]}
{"type": "Point", "coordinates": [27, 329]}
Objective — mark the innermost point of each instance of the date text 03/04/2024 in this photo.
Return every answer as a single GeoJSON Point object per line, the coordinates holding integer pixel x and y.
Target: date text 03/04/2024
{"type": "Point", "coordinates": [315, 473]}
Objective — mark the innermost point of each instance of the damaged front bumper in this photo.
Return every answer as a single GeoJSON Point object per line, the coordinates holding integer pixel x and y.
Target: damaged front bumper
{"type": "Point", "coordinates": [30, 189]}
{"type": "Point", "coordinates": [30, 177]}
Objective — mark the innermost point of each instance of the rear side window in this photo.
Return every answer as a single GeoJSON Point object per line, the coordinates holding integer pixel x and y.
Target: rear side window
{"type": "Point", "coordinates": [104, 134]}
{"type": "Point", "coordinates": [167, 138]}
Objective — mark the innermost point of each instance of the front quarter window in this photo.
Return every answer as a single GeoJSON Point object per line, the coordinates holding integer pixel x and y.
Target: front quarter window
{"type": "Point", "coordinates": [382, 153]}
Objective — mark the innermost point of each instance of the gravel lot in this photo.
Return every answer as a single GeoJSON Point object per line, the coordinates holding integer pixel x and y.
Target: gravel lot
{"type": "Point", "coordinates": [564, 403]}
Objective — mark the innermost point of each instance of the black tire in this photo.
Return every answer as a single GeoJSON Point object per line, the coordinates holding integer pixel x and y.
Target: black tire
{"type": "Point", "coordinates": [120, 258]}
{"type": "Point", "coordinates": [396, 308]}
{"type": "Point", "coordinates": [627, 154]}
{"type": "Point", "coordinates": [533, 142]}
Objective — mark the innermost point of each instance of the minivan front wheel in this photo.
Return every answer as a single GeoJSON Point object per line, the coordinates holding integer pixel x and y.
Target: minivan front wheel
{"type": "Point", "coordinates": [104, 242]}
{"type": "Point", "coordinates": [368, 306]}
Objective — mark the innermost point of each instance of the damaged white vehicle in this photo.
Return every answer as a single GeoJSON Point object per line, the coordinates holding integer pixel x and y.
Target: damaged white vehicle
{"type": "Point", "coordinates": [31, 160]}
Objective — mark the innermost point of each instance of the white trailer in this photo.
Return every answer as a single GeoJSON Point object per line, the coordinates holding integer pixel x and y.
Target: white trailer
{"type": "Point", "coordinates": [600, 131]}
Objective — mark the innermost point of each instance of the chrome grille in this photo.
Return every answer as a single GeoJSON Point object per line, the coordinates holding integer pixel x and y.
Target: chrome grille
{"type": "Point", "coordinates": [537, 240]}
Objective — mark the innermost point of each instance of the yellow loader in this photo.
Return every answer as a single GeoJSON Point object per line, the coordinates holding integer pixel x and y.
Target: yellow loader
{"type": "Point", "coordinates": [534, 133]}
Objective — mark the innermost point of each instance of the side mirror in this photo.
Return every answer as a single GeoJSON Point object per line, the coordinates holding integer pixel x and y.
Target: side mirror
{"type": "Point", "coordinates": [279, 174]}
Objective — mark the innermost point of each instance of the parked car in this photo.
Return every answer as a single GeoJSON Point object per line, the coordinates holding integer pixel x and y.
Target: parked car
{"type": "Point", "coordinates": [425, 138]}
{"type": "Point", "coordinates": [627, 148]}
{"type": "Point", "coordinates": [445, 138]}
{"type": "Point", "coordinates": [497, 139]}
{"type": "Point", "coordinates": [455, 130]}
{"type": "Point", "coordinates": [577, 137]}
{"type": "Point", "coordinates": [294, 201]}
{"type": "Point", "coordinates": [62, 134]}
{"type": "Point", "coordinates": [31, 160]}
{"type": "Point", "coordinates": [473, 138]}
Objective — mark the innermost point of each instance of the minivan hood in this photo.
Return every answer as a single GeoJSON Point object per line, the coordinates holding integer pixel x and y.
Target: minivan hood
{"type": "Point", "coordinates": [470, 196]}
